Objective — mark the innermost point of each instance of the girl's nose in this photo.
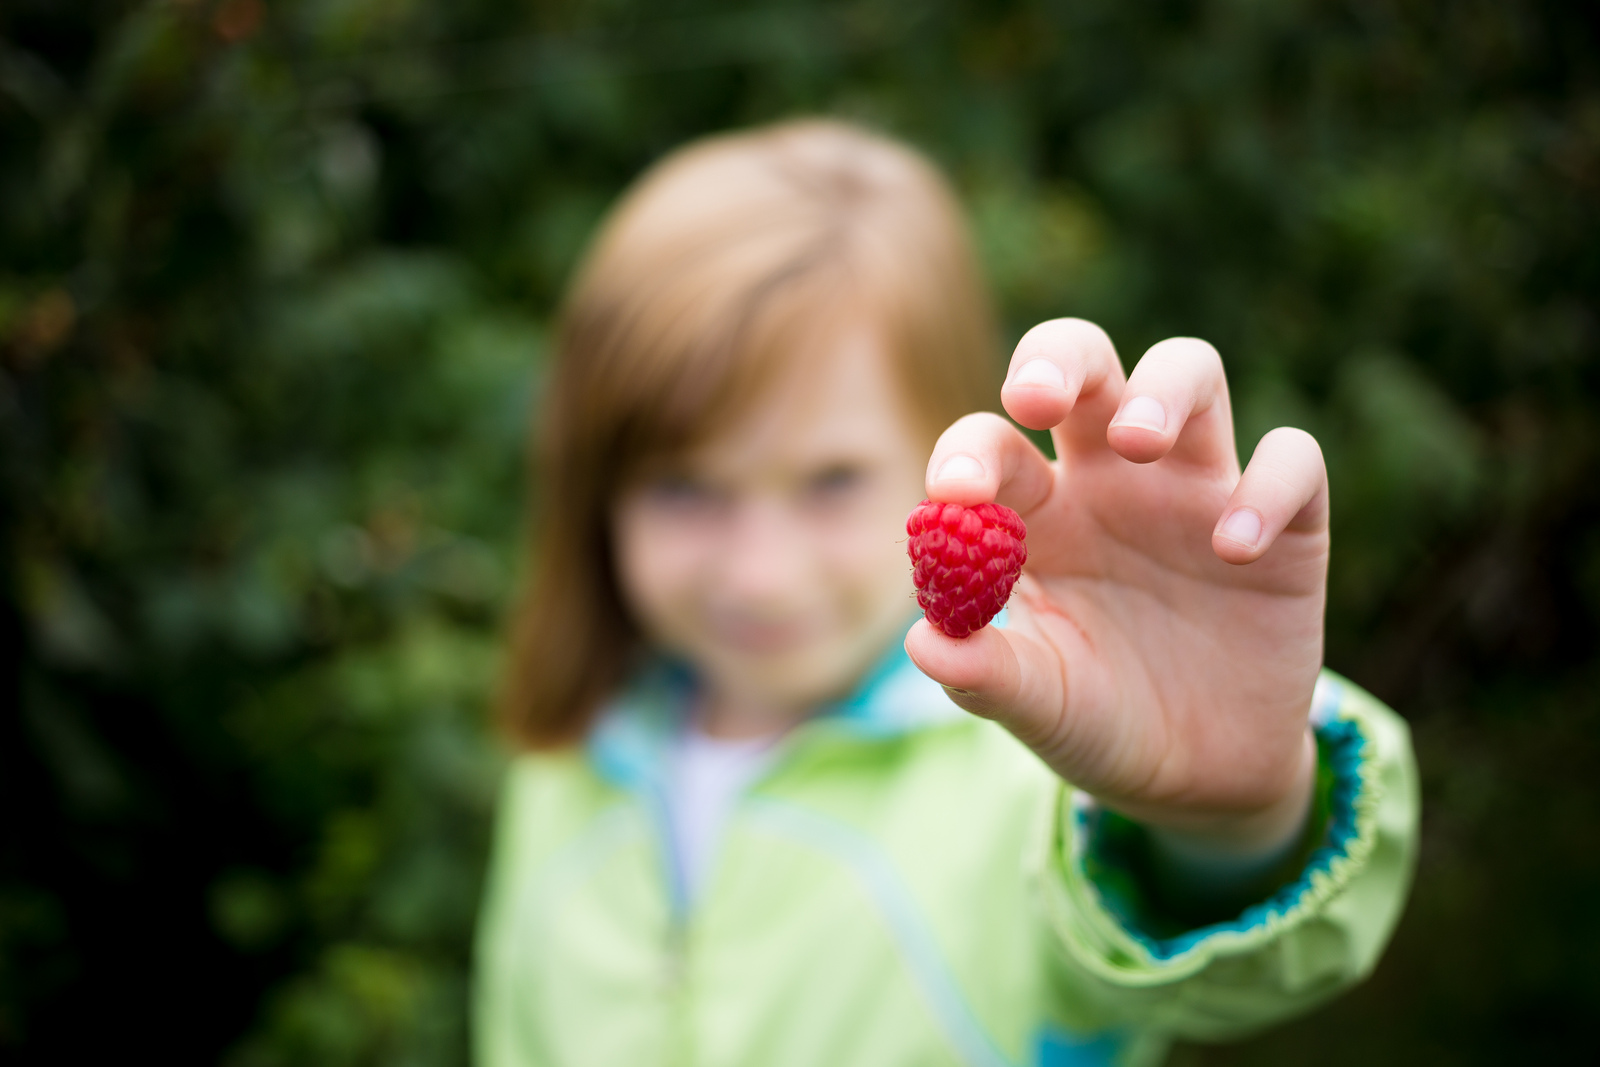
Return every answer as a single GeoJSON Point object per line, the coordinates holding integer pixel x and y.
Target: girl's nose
{"type": "Point", "coordinates": [765, 557]}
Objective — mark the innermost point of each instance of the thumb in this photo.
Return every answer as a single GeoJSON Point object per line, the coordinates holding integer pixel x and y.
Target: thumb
{"type": "Point", "coordinates": [987, 674]}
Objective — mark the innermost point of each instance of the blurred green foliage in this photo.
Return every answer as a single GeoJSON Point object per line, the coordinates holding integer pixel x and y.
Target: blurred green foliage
{"type": "Point", "coordinates": [273, 298]}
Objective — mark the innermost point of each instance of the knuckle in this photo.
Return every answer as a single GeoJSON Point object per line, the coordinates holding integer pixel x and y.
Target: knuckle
{"type": "Point", "coordinates": [1294, 445]}
{"type": "Point", "coordinates": [976, 427]}
{"type": "Point", "coordinates": [1044, 337]}
{"type": "Point", "coordinates": [1185, 362]}
{"type": "Point", "coordinates": [1066, 342]}
{"type": "Point", "coordinates": [1190, 351]}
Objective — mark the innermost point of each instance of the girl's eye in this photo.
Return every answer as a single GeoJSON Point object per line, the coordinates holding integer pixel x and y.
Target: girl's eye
{"type": "Point", "coordinates": [681, 493]}
{"type": "Point", "coordinates": [835, 482]}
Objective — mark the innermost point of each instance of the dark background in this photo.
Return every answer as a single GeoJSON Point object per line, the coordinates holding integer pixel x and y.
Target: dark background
{"type": "Point", "coordinates": [273, 300]}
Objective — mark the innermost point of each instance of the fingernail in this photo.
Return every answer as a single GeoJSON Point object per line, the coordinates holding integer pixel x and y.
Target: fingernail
{"type": "Point", "coordinates": [1242, 527]}
{"type": "Point", "coordinates": [1039, 372]}
{"type": "Point", "coordinates": [959, 468]}
{"type": "Point", "coordinates": [1144, 412]}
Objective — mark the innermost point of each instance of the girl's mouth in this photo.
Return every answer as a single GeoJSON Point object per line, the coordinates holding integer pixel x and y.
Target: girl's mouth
{"type": "Point", "coordinates": [764, 637]}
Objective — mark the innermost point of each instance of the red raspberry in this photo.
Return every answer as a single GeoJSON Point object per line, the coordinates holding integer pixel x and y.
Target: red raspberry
{"type": "Point", "coordinates": [964, 562]}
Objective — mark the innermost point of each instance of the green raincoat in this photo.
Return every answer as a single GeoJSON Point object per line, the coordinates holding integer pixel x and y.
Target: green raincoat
{"type": "Point", "coordinates": [906, 885]}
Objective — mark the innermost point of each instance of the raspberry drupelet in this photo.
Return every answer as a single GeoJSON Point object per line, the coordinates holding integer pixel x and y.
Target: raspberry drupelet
{"type": "Point", "coordinates": [964, 562]}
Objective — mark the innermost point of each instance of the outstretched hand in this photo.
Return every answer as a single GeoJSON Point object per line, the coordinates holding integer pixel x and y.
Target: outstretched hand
{"type": "Point", "coordinates": [1166, 634]}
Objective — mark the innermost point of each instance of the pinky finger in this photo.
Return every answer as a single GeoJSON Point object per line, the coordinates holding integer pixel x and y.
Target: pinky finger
{"type": "Point", "coordinates": [1284, 487]}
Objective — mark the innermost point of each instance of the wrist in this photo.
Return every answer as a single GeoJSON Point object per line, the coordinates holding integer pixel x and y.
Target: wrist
{"type": "Point", "coordinates": [1240, 840]}
{"type": "Point", "coordinates": [1218, 864]}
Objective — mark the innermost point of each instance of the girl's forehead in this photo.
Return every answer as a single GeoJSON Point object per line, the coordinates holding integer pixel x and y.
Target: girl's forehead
{"type": "Point", "coordinates": [838, 398]}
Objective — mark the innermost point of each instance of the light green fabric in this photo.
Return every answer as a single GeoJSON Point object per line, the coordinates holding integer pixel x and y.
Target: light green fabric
{"type": "Point", "coordinates": [905, 886]}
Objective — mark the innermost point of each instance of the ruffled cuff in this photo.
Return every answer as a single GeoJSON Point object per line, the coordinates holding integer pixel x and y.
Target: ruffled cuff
{"type": "Point", "coordinates": [1107, 904]}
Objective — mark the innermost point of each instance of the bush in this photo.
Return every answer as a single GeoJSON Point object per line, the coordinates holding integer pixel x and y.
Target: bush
{"type": "Point", "coordinates": [272, 308]}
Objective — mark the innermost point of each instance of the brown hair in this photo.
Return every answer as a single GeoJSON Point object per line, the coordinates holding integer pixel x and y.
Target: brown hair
{"type": "Point", "coordinates": [713, 270]}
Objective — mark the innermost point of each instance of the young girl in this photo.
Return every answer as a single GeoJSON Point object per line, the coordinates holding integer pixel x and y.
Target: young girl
{"type": "Point", "coordinates": [746, 829]}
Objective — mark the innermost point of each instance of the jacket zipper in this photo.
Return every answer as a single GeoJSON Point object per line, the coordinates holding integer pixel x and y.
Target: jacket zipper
{"type": "Point", "coordinates": [675, 955]}
{"type": "Point", "coordinates": [680, 1052]}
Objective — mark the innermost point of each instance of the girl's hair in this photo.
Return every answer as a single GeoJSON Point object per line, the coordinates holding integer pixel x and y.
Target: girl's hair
{"type": "Point", "coordinates": [726, 260]}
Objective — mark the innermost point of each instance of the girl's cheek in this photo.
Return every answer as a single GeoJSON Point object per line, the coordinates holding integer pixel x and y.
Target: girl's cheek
{"type": "Point", "coordinates": [869, 558]}
{"type": "Point", "coordinates": [659, 564]}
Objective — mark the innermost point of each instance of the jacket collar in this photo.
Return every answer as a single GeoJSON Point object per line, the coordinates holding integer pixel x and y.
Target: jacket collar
{"type": "Point", "coordinates": [632, 738]}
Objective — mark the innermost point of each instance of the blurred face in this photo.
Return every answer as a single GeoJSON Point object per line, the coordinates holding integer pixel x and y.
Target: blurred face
{"type": "Point", "coordinates": [772, 557]}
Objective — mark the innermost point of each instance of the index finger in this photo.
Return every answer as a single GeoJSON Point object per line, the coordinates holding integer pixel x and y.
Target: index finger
{"type": "Point", "coordinates": [1065, 376]}
{"type": "Point", "coordinates": [983, 458]}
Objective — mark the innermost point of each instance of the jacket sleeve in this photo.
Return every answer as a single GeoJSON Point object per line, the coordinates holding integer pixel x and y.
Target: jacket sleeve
{"type": "Point", "coordinates": [1317, 935]}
